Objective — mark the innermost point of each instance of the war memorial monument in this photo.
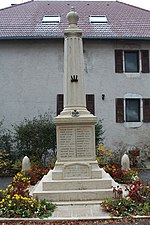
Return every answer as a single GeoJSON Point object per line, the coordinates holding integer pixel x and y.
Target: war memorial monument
{"type": "Point", "coordinates": [76, 175]}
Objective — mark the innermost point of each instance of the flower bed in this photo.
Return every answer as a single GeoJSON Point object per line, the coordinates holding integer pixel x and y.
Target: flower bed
{"type": "Point", "coordinates": [119, 175]}
{"type": "Point", "coordinates": [36, 174]}
{"type": "Point", "coordinates": [15, 200]}
{"type": "Point", "coordinates": [136, 203]}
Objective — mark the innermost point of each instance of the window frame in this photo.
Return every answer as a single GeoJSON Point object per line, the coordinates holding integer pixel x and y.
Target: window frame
{"type": "Point", "coordinates": [98, 19]}
{"type": "Point", "coordinates": [127, 100]}
{"type": "Point", "coordinates": [55, 19]}
{"type": "Point", "coordinates": [121, 110]}
{"type": "Point", "coordinates": [138, 60]}
{"type": "Point", "coordinates": [144, 66]}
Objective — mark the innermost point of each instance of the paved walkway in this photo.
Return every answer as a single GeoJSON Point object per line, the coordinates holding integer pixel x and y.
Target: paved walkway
{"type": "Point", "coordinates": [79, 211]}
{"type": "Point", "coordinates": [75, 211]}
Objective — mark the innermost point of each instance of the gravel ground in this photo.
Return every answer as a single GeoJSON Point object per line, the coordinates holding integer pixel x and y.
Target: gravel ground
{"type": "Point", "coordinates": [145, 176]}
{"type": "Point", "coordinates": [4, 181]}
{"type": "Point", "coordinates": [80, 222]}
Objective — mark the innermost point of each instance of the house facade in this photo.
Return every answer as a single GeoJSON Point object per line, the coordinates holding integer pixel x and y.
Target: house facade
{"type": "Point", "coordinates": [116, 40]}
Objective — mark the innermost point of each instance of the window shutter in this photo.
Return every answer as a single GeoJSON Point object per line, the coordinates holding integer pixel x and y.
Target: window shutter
{"type": "Point", "coordinates": [118, 61]}
{"type": "Point", "coordinates": [60, 103]}
{"type": "Point", "coordinates": [145, 61]}
{"type": "Point", "coordinates": [119, 110]}
{"type": "Point", "coordinates": [146, 110]}
{"type": "Point", "coordinates": [90, 103]}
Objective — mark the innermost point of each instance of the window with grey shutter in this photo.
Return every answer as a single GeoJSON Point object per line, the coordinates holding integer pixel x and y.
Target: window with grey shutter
{"type": "Point", "coordinates": [90, 103]}
{"type": "Point", "coordinates": [119, 110]}
{"type": "Point", "coordinates": [118, 61]}
{"type": "Point", "coordinates": [145, 61]}
{"type": "Point", "coordinates": [146, 110]}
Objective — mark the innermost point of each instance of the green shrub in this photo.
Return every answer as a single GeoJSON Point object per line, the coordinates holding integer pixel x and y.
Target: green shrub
{"type": "Point", "coordinates": [5, 163]}
{"type": "Point", "coordinates": [6, 156]}
{"type": "Point", "coordinates": [99, 132]}
{"type": "Point", "coordinates": [35, 138]}
{"type": "Point", "coordinates": [5, 138]}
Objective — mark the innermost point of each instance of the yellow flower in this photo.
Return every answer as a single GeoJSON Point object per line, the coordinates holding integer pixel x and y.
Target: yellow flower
{"type": "Point", "coordinates": [17, 197]}
{"type": "Point", "coordinates": [8, 196]}
{"type": "Point", "coordinates": [101, 147]}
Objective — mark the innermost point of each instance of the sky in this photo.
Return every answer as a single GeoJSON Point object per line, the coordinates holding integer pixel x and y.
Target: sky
{"type": "Point", "coordinates": [145, 4]}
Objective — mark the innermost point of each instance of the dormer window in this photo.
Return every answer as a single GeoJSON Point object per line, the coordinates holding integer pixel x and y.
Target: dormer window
{"type": "Point", "coordinates": [51, 19]}
{"type": "Point", "coordinates": [98, 19]}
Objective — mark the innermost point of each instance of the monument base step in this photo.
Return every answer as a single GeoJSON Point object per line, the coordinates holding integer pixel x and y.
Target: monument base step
{"type": "Point", "coordinates": [75, 170]}
{"type": "Point", "coordinates": [92, 202]}
{"type": "Point", "coordinates": [84, 184]}
{"type": "Point", "coordinates": [74, 195]}
{"type": "Point", "coordinates": [74, 190]}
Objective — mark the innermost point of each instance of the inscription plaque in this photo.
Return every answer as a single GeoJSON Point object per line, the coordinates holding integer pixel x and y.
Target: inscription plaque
{"type": "Point", "coordinates": [75, 171]}
{"type": "Point", "coordinates": [75, 142]}
{"type": "Point", "coordinates": [67, 143]}
{"type": "Point", "coordinates": [83, 142]}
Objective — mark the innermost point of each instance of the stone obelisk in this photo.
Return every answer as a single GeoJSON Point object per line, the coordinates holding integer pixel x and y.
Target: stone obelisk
{"type": "Point", "coordinates": [75, 124]}
{"type": "Point", "coordinates": [74, 85]}
{"type": "Point", "coordinates": [76, 175]}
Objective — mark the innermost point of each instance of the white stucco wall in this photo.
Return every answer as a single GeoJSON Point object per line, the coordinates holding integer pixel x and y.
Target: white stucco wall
{"type": "Point", "coordinates": [102, 79]}
{"type": "Point", "coordinates": [31, 75]}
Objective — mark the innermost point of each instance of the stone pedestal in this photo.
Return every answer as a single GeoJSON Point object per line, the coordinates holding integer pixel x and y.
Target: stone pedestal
{"type": "Point", "coordinates": [76, 175]}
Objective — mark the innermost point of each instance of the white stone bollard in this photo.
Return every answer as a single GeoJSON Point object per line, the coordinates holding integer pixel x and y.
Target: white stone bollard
{"type": "Point", "coordinates": [125, 162]}
{"type": "Point", "coordinates": [26, 164]}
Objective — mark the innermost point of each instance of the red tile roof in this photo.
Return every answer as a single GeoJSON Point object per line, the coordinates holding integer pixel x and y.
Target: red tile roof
{"type": "Point", "coordinates": [25, 20]}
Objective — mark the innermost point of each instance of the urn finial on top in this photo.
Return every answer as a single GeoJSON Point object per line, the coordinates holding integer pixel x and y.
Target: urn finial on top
{"type": "Point", "coordinates": [72, 18]}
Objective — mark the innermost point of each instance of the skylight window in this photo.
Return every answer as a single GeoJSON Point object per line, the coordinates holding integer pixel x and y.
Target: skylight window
{"type": "Point", "coordinates": [98, 19]}
{"type": "Point", "coordinates": [51, 19]}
